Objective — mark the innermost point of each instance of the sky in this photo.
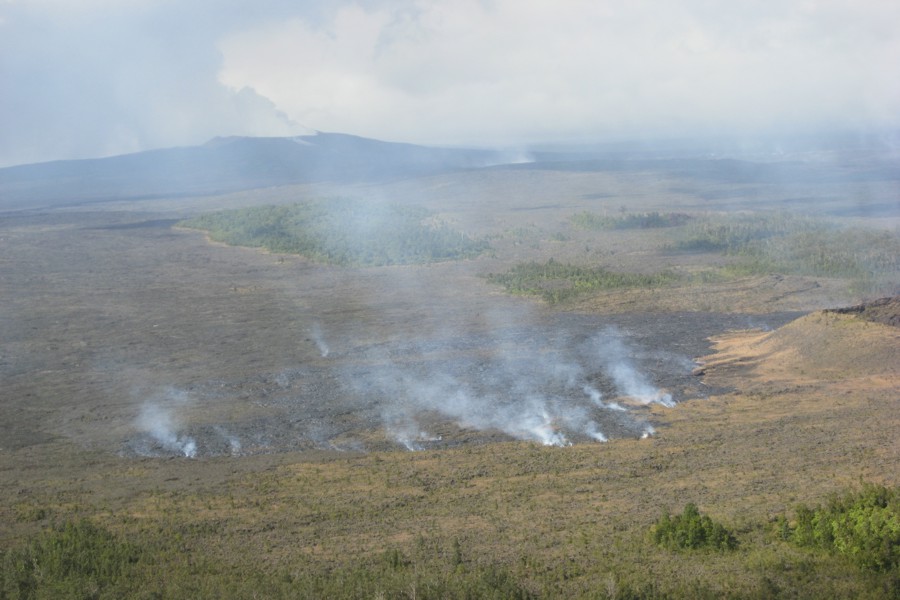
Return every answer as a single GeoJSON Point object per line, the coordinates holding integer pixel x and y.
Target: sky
{"type": "Point", "coordinates": [89, 78]}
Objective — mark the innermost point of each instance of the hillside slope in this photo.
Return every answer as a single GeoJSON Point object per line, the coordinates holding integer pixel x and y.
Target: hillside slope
{"type": "Point", "coordinates": [834, 345]}
{"type": "Point", "coordinates": [228, 164]}
{"type": "Point", "coordinates": [883, 310]}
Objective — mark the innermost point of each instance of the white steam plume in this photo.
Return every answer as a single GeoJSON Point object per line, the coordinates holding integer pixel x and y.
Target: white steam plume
{"type": "Point", "coordinates": [597, 398]}
{"type": "Point", "coordinates": [319, 339]}
{"type": "Point", "coordinates": [615, 357]}
{"type": "Point", "coordinates": [546, 395]}
{"type": "Point", "coordinates": [160, 423]}
{"type": "Point", "coordinates": [592, 430]}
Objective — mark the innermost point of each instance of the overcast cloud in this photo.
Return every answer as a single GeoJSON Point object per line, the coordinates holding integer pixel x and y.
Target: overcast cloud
{"type": "Point", "coordinates": [99, 77]}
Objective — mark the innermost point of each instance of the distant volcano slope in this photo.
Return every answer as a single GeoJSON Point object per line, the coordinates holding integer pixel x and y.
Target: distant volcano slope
{"type": "Point", "coordinates": [228, 164]}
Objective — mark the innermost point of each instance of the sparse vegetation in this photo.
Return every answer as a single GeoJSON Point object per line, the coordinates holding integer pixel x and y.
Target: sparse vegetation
{"type": "Point", "coordinates": [342, 232]}
{"type": "Point", "coordinates": [791, 245]}
{"type": "Point", "coordinates": [734, 232]}
{"type": "Point", "coordinates": [756, 244]}
{"type": "Point", "coordinates": [647, 220]}
{"type": "Point", "coordinates": [557, 282]}
{"type": "Point", "coordinates": [178, 550]}
{"type": "Point", "coordinates": [79, 559]}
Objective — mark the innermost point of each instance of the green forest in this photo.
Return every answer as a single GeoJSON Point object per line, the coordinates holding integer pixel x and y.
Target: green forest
{"type": "Point", "coordinates": [342, 232]}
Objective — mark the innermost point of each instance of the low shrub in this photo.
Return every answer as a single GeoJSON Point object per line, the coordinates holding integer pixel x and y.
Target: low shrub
{"type": "Point", "coordinates": [556, 282]}
{"type": "Point", "coordinates": [691, 531]}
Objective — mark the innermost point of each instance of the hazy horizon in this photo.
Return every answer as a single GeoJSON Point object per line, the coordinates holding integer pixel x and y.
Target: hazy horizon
{"type": "Point", "coordinates": [105, 78]}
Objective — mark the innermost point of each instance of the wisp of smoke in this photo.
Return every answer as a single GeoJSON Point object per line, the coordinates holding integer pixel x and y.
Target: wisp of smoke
{"type": "Point", "coordinates": [614, 356]}
{"type": "Point", "coordinates": [318, 338]}
{"type": "Point", "coordinates": [592, 430]}
{"type": "Point", "coordinates": [234, 444]}
{"type": "Point", "coordinates": [159, 423]}
{"type": "Point", "coordinates": [161, 429]}
{"type": "Point", "coordinates": [405, 431]}
{"type": "Point", "coordinates": [597, 398]}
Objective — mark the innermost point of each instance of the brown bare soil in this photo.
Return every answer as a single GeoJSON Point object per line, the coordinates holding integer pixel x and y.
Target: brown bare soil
{"type": "Point", "coordinates": [818, 392]}
{"type": "Point", "coordinates": [825, 346]}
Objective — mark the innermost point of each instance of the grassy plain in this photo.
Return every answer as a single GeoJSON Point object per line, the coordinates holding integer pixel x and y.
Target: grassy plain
{"type": "Point", "coordinates": [105, 306]}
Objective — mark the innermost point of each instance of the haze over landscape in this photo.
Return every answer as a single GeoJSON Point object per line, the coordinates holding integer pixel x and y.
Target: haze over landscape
{"type": "Point", "coordinates": [104, 77]}
{"type": "Point", "coordinates": [420, 299]}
